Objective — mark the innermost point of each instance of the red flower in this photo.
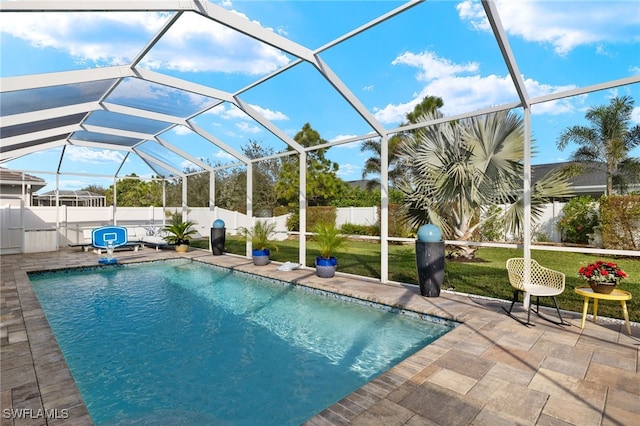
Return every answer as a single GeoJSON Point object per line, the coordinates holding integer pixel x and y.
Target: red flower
{"type": "Point", "coordinates": [602, 271]}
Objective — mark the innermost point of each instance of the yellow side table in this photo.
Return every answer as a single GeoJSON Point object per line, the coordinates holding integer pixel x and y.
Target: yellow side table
{"type": "Point", "coordinates": [616, 294]}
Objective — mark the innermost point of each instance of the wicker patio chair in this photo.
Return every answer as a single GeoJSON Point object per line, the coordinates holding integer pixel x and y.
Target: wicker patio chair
{"type": "Point", "coordinates": [543, 282]}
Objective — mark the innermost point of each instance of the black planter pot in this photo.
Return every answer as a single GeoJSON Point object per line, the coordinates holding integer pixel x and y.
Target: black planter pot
{"type": "Point", "coordinates": [326, 268]}
{"type": "Point", "coordinates": [260, 257]}
{"type": "Point", "coordinates": [217, 240]}
{"type": "Point", "coordinates": [430, 263]}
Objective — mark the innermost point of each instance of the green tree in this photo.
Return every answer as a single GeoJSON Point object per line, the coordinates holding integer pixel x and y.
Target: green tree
{"type": "Point", "coordinates": [323, 183]}
{"type": "Point", "coordinates": [231, 189]}
{"type": "Point", "coordinates": [197, 189]}
{"type": "Point", "coordinates": [96, 189]}
{"type": "Point", "coordinates": [133, 192]}
{"type": "Point", "coordinates": [456, 169]}
{"type": "Point", "coordinates": [396, 170]}
{"type": "Point", "coordinates": [608, 140]}
{"type": "Point", "coordinates": [265, 176]}
{"type": "Point", "coordinates": [230, 185]}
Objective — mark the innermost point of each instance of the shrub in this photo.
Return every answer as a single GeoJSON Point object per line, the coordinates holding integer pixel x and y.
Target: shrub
{"type": "Point", "coordinates": [580, 217]}
{"type": "Point", "coordinates": [398, 226]}
{"type": "Point", "coordinates": [620, 222]}
{"type": "Point", "coordinates": [315, 214]}
{"type": "Point", "coordinates": [352, 229]}
{"type": "Point", "coordinates": [493, 228]}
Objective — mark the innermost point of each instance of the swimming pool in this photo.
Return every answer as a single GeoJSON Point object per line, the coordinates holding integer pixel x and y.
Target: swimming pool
{"type": "Point", "coordinates": [183, 342]}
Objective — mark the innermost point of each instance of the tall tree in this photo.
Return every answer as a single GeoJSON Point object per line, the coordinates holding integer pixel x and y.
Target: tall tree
{"type": "Point", "coordinates": [265, 176]}
{"type": "Point", "coordinates": [608, 140]}
{"type": "Point", "coordinates": [231, 183]}
{"type": "Point", "coordinates": [396, 171]}
{"type": "Point", "coordinates": [96, 189]}
{"type": "Point", "coordinates": [231, 189]}
{"type": "Point", "coordinates": [456, 169]}
{"type": "Point", "coordinates": [133, 192]}
{"type": "Point", "coordinates": [323, 183]}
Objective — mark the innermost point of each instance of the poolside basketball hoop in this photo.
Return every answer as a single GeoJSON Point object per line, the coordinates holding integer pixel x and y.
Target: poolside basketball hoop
{"type": "Point", "coordinates": [108, 238]}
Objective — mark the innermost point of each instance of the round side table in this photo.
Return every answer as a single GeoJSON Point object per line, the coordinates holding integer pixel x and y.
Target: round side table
{"type": "Point", "coordinates": [616, 294]}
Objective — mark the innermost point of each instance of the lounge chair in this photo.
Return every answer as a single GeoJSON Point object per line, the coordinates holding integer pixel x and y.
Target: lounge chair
{"type": "Point", "coordinates": [86, 243]}
{"type": "Point", "coordinates": [139, 235]}
{"type": "Point", "coordinates": [154, 242]}
{"type": "Point", "coordinates": [542, 282]}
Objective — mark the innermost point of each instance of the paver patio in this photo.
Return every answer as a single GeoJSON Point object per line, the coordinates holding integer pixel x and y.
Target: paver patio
{"type": "Point", "coordinates": [489, 370]}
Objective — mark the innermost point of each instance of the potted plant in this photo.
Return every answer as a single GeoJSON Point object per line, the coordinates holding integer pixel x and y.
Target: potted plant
{"type": "Point", "coordinates": [260, 235]}
{"type": "Point", "coordinates": [179, 232]}
{"type": "Point", "coordinates": [603, 277]}
{"type": "Point", "coordinates": [329, 239]}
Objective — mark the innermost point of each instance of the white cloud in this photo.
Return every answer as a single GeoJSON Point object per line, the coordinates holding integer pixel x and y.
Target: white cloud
{"type": "Point", "coordinates": [181, 130]}
{"type": "Point", "coordinates": [197, 44]}
{"type": "Point", "coordinates": [231, 112]}
{"type": "Point", "coordinates": [248, 128]}
{"type": "Point", "coordinates": [342, 137]}
{"type": "Point", "coordinates": [432, 67]}
{"type": "Point", "coordinates": [223, 155]}
{"type": "Point", "coordinates": [351, 171]}
{"type": "Point", "coordinates": [393, 113]}
{"type": "Point", "coordinates": [80, 34]}
{"type": "Point", "coordinates": [464, 88]}
{"type": "Point", "coordinates": [635, 115]}
{"type": "Point", "coordinates": [228, 111]}
{"type": "Point", "coordinates": [368, 88]}
{"type": "Point", "coordinates": [269, 114]}
{"type": "Point", "coordinates": [193, 44]}
{"type": "Point", "coordinates": [283, 32]}
{"type": "Point", "coordinates": [188, 164]}
{"type": "Point", "coordinates": [87, 155]}
{"type": "Point", "coordinates": [564, 25]}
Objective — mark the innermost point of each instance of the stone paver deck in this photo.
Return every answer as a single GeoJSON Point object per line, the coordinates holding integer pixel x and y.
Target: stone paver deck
{"type": "Point", "coordinates": [490, 370]}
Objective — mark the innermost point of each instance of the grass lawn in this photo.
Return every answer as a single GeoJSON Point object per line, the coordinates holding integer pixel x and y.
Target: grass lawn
{"type": "Point", "coordinates": [487, 276]}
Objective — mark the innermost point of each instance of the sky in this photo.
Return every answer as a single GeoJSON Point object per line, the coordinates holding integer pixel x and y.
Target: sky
{"type": "Point", "coordinates": [436, 48]}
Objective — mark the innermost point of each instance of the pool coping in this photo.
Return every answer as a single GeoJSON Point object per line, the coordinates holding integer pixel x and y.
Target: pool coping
{"type": "Point", "coordinates": [455, 373]}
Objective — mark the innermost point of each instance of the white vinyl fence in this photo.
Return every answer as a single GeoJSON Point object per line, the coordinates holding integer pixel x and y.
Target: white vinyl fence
{"type": "Point", "coordinates": [33, 228]}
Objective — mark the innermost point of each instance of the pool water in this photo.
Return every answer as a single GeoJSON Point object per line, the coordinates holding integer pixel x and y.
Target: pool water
{"type": "Point", "coordinates": [181, 342]}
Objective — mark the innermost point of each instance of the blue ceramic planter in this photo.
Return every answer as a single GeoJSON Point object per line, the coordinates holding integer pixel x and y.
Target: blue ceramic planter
{"type": "Point", "coordinates": [326, 268]}
{"type": "Point", "coordinates": [260, 257]}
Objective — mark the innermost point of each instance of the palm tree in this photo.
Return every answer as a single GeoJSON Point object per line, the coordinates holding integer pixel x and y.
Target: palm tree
{"type": "Point", "coordinates": [396, 171]}
{"type": "Point", "coordinates": [456, 169]}
{"type": "Point", "coordinates": [372, 164]}
{"type": "Point", "coordinates": [609, 140]}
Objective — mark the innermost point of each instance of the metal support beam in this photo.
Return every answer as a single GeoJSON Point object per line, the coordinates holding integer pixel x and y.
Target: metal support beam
{"type": "Point", "coordinates": [505, 49]}
{"type": "Point", "coordinates": [249, 204]}
{"type": "Point", "coordinates": [384, 209]}
{"type": "Point", "coordinates": [526, 237]}
{"type": "Point", "coordinates": [212, 190]}
{"type": "Point", "coordinates": [185, 214]}
{"type": "Point", "coordinates": [302, 200]}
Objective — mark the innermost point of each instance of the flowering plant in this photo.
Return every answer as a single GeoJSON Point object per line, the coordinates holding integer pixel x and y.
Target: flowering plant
{"type": "Point", "coordinates": [603, 272]}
